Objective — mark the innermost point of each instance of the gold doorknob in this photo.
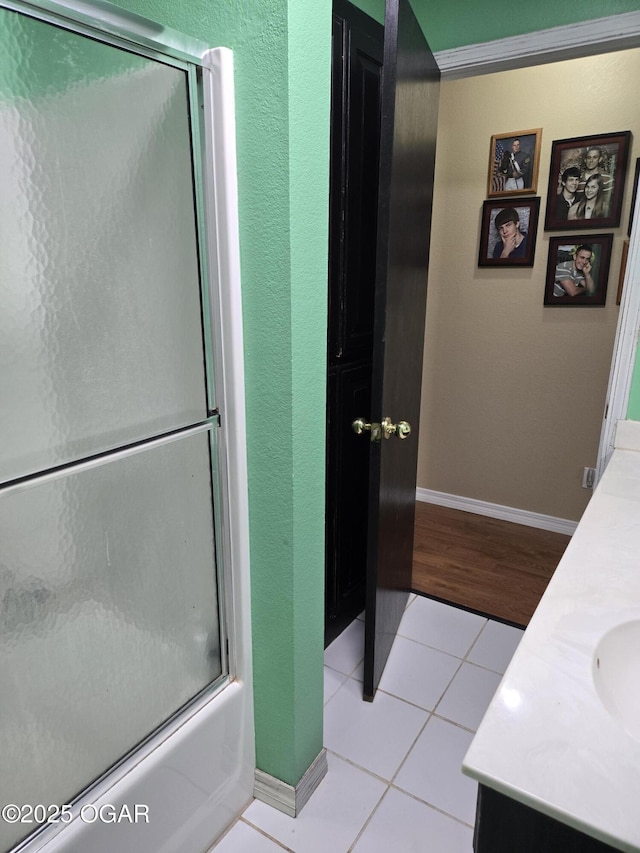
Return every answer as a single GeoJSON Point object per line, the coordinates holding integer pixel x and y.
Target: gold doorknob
{"type": "Point", "coordinates": [401, 430]}
{"type": "Point", "coordinates": [359, 425]}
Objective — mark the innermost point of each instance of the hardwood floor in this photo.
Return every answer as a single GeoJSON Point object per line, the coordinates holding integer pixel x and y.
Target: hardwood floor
{"type": "Point", "coordinates": [487, 565]}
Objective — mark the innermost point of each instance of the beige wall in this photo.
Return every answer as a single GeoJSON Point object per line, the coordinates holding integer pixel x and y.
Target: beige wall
{"type": "Point", "coordinates": [513, 391]}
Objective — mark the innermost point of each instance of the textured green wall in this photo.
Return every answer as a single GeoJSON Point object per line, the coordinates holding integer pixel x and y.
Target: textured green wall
{"type": "Point", "coordinates": [282, 66]}
{"type": "Point", "coordinates": [458, 22]}
{"type": "Point", "coordinates": [374, 8]}
{"type": "Point", "coordinates": [633, 408]}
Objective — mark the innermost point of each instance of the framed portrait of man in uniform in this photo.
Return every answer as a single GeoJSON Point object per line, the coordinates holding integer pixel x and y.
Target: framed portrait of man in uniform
{"type": "Point", "coordinates": [513, 163]}
{"type": "Point", "coordinates": [586, 181]}
{"type": "Point", "coordinates": [578, 269]}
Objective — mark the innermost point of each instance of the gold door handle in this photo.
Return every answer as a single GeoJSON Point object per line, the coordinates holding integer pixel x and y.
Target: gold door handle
{"type": "Point", "coordinates": [401, 430]}
{"type": "Point", "coordinates": [359, 425]}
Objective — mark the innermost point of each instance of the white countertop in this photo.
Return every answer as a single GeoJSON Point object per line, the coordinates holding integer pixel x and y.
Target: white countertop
{"type": "Point", "coordinates": [546, 739]}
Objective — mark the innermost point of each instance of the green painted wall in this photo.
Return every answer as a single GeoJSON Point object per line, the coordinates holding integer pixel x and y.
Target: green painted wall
{"type": "Point", "coordinates": [282, 64]}
{"type": "Point", "coordinates": [633, 408]}
{"type": "Point", "coordinates": [374, 8]}
{"type": "Point", "coordinates": [459, 22]}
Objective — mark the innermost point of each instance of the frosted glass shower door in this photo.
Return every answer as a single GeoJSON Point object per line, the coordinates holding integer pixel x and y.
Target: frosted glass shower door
{"type": "Point", "coordinates": [109, 610]}
{"type": "Point", "coordinates": [100, 327]}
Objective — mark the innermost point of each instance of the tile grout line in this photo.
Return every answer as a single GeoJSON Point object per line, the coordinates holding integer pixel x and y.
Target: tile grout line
{"type": "Point", "coordinates": [473, 645]}
{"type": "Point", "coordinates": [265, 834]}
{"type": "Point", "coordinates": [464, 657]}
{"type": "Point", "coordinates": [431, 806]}
{"type": "Point", "coordinates": [430, 711]}
{"type": "Point", "coordinates": [391, 784]}
{"type": "Point", "coordinates": [369, 819]}
{"type": "Point", "coordinates": [431, 714]}
{"type": "Point", "coordinates": [478, 635]}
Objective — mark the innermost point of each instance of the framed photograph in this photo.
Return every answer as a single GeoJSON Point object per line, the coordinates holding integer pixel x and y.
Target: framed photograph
{"type": "Point", "coordinates": [586, 181]}
{"type": "Point", "coordinates": [508, 232]}
{"type": "Point", "coordinates": [513, 163]}
{"type": "Point", "coordinates": [578, 269]}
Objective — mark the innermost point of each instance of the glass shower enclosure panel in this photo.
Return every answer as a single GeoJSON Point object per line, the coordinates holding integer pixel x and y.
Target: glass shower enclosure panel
{"type": "Point", "coordinates": [100, 327]}
{"type": "Point", "coordinates": [109, 622]}
{"type": "Point", "coordinates": [109, 599]}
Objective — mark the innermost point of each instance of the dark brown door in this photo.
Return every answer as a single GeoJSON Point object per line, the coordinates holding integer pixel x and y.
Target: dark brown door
{"type": "Point", "coordinates": [410, 89]}
{"type": "Point", "coordinates": [355, 136]}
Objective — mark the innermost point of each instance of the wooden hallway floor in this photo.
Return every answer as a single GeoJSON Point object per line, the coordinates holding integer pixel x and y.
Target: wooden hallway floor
{"type": "Point", "coordinates": [486, 565]}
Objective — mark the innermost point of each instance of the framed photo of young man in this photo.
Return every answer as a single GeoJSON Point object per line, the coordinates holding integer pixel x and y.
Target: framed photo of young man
{"type": "Point", "coordinates": [514, 159]}
{"type": "Point", "coordinates": [508, 232]}
{"type": "Point", "coordinates": [578, 270]}
{"type": "Point", "coordinates": [586, 181]}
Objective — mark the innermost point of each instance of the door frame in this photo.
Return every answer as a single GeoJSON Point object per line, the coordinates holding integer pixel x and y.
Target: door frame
{"type": "Point", "coordinates": [357, 49]}
{"type": "Point", "coordinates": [586, 38]}
{"type": "Point", "coordinates": [624, 351]}
{"type": "Point", "coordinates": [193, 791]}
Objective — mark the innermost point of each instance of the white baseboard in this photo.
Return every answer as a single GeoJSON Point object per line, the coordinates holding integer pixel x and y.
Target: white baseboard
{"type": "Point", "coordinates": [506, 513]}
{"type": "Point", "coordinates": [599, 35]}
{"type": "Point", "coordinates": [288, 798]}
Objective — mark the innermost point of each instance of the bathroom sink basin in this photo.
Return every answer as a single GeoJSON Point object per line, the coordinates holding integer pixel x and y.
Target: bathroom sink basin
{"type": "Point", "coordinates": [616, 673]}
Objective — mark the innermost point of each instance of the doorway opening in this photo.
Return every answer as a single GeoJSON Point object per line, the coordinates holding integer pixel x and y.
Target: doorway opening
{"type": "Point", "coordinates": [527, 59]}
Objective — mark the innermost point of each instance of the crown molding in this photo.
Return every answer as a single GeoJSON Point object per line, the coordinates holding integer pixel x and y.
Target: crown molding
{"type": "Point", "coordinates": [599, 35]}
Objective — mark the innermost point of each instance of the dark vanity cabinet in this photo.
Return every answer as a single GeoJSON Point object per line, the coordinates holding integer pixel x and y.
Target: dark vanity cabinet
{"type": "Point", "coordinates": [506, 826]}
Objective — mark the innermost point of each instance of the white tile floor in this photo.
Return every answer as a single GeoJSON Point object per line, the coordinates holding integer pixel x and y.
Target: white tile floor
{"type": "Point", "coordinates": [394, 780]}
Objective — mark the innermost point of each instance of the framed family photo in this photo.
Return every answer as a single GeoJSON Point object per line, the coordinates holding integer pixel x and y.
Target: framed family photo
{"type": "Point", "coordinates": [578, 269]}
{"type": "Point", "coordinates": [514, 159]}
{"type": "Point", "coordinates": [586, 181]}
{"type": "Point", "coordinates": [508, 232]}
